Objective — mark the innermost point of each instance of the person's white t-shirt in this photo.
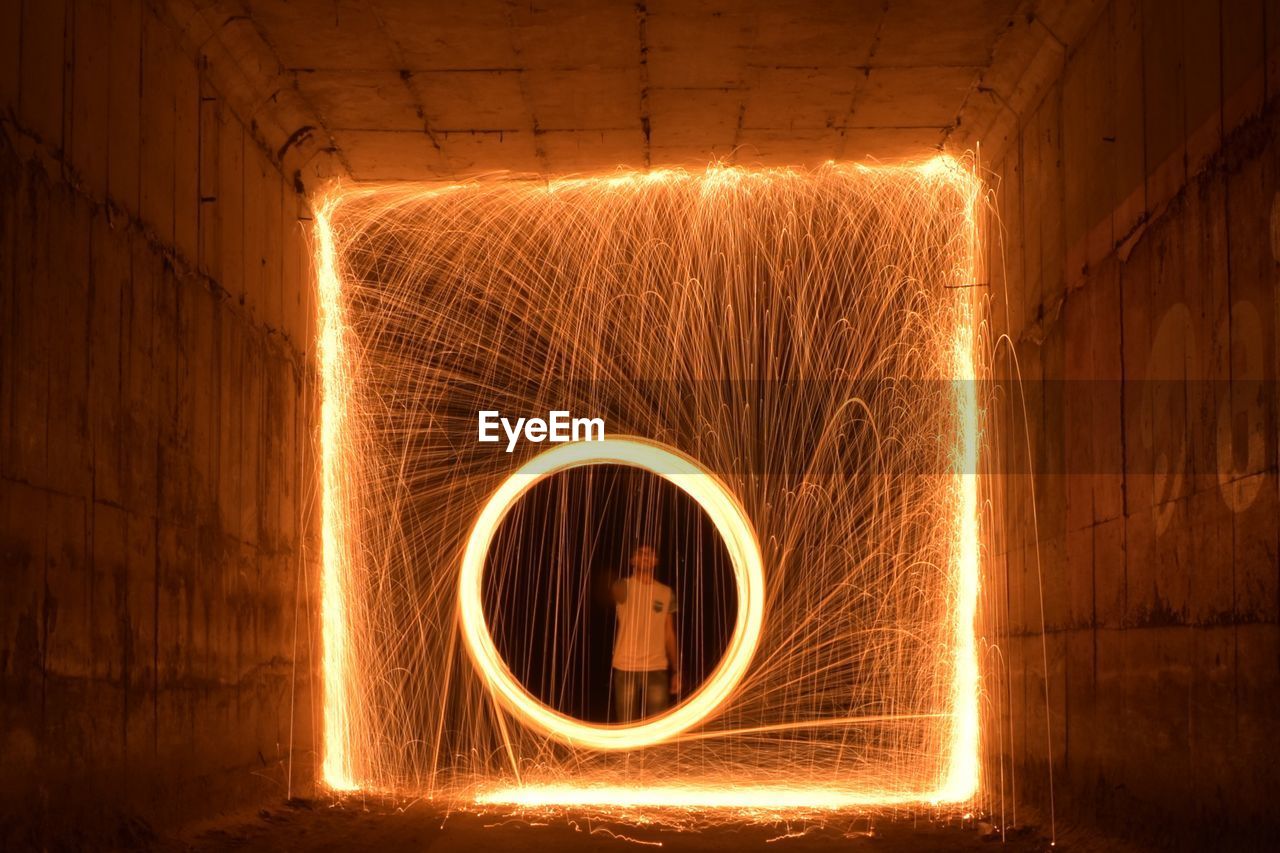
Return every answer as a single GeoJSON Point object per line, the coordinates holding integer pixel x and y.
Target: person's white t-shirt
{"type": "Point", "coordinates": [642, 618]}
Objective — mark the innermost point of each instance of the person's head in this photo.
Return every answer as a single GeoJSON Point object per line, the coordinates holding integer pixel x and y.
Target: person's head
{"type": "Point", "coordinates": [644, 559]}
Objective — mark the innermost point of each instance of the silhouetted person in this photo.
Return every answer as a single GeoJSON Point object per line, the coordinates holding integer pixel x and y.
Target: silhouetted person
{"type": "Point", "coordinates": [646, 661]}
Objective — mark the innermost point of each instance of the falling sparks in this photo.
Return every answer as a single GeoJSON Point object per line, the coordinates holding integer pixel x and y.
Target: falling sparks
{"type": "Point", "coordinates": [334, 615]}
{"type": "Point", "coordinates": [801, 340]}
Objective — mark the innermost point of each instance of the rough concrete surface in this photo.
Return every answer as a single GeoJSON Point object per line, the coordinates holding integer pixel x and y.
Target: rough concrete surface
{"type": "Point", "coordinates": [404, 90]}
{"type": "Point", "coordinates": [1134, 270]}
{"type": "Point", "coordinates": [381, 825]}
{"type": "Point", "coordinates": [155, 441]}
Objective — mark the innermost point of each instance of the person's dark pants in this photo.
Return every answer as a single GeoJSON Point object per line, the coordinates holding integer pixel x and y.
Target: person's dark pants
{"type": "Point", "coordinates": [640, 694]}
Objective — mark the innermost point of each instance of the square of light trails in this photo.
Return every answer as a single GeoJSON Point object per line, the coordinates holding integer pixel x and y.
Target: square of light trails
{"type": "Point", "coordinates": [802, 340]}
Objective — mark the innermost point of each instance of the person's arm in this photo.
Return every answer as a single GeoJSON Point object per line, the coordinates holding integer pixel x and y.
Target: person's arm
{"type": "Point", "coordinates": [620, 591]}
{"type": "Point", "coordinates": [673, 653]}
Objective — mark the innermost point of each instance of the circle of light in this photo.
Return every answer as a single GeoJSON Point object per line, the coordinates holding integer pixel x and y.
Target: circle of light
{"type": "Point", "coordinates": [740, 541]}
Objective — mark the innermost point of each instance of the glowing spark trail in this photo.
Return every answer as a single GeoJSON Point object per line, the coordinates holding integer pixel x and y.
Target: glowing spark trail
{"type": "Point", "coordinates": [337, 767]}
{"type": "Point", "coordinates": [793, 349]}
{"type": "Point", "coordinates": [728, 518]}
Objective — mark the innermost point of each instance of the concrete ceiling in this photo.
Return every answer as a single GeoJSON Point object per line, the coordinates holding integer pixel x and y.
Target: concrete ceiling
{"type": "Point", "coordinates": [407, 89]}
{"type": "Point", "coordinates": [433, 90]}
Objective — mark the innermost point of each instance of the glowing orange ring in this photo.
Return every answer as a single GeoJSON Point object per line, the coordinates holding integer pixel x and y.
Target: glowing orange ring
{"type": "Point", "coordinates": [744, 553]}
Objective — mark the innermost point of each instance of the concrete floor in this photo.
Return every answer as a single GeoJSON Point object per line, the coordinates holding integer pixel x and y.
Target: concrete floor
{"type": "Point", "coordinates": [381, 825]}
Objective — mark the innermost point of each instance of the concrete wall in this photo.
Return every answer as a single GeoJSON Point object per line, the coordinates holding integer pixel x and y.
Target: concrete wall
{"type": "Point", "coordinates": [1138, 189]}
{"type": "Point", "coordinates": [156, 397]}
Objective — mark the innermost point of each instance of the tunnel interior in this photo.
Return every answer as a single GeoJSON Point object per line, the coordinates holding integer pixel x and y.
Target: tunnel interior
{"type": "Point", "coordinates": [179, 179]}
